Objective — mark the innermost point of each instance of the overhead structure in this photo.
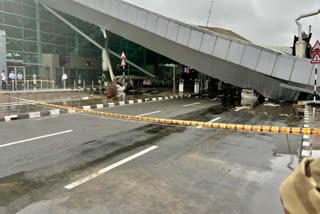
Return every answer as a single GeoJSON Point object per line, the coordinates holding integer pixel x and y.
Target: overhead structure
{"type": "Point", "coordinates": [106, 64]}
{"type": "Point", "coordinates": [233, 61]}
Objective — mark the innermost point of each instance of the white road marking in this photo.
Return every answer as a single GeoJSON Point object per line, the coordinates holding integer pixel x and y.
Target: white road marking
{"type": "Point", "coordinates": [240, 108]}
{"type": "Point", "coordinates": [46, 118]}
{"type": "Point", "coordinates": [285, 115]}
{"type": "Point", "coordinates": [211, 121]}
{"type": "Point", "coordinates": [216, 119]}
{"type": "Point", "coordinates": [192, 104]}
{"type": "Point", "coordinates": [306, 143]}
{"type": "Point", "coordinates": [104, 170]}
{"type": "Point", "coordinates": [155, 112]}
{"type": "Point", "coordinates": [35, 138]}
{"type": "Point", "coordinates": [306, 137]}
{"type": "Point", "coordinates": [271, 104]}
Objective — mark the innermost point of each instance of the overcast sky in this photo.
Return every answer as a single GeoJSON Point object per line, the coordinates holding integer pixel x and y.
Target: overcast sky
{"type": "Point", "coordinates": [269, 22]}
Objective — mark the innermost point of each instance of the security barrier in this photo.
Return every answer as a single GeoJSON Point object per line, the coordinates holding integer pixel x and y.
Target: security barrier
{"type": "Point", "coordinates": [237, 127]}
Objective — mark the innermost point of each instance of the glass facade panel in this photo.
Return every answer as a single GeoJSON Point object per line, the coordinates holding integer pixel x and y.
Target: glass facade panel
{"type": "Point", "coordinates": [30, 35]}
{"type": "Point", "coordinates": [45, 15]}
{"type": "Point", "coordinates": [60, 29]}
{"type": "Point", "coordinates": [1, 17]}
{"type": "Point", "coordinates": [46, 27]}
{"type": "Point", "coordinates": [61, 40]}
{"type": "Point", "coordinates": [47, 48]}
{"type": "Point", "coordinates": [28, 11]}
{"type": "Point", "coordinates": [1, 5]}
{"type": "Point", "coordinates": [30, 58]}
{"type": "Point", "coordinates": [30, 46]}
{"type": "Point", "coordinates": [29, 23]}
{"type": "Point", "coordinates": [14, 45]}
{"type": "Point", "coordinates": [12, 7]}
{"type": "Point", "coordinates": [47, 38]}
{"type": "Point", "coordinates": [71, 42]}
{"type": "Point", "coordinates": [25, 2]}
{"type": "Point", "coordinates": [61, 50]}
{"type": "Point", "coordinates": [13, 20]}
{"type": "Point", "coordinates": [14, 32]}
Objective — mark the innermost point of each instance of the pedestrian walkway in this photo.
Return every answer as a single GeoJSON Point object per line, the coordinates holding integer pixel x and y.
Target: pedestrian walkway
{"type": "Point", "coordinates": [310, 143]}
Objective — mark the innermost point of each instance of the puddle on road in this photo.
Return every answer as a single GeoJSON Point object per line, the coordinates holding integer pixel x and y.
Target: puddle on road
{"type": "Point", "coordinates": [14, 186]}
{"type": "Point", "coordinates": [268, 184]}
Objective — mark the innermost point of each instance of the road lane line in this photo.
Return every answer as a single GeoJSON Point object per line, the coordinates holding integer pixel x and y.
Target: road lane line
{"type": "Point", "coordinates": [192, 104]}
{"type": "Point", "coordinates": [240, 108]}
{"type": "Point", "coordinates": [104, 170]}
{"type": "Point", "coordinates": [211, 121]}
{"type": "Point", "coordinates": [35, 138]}
{"type": "Point", "coordinates": [155, 112]}
{"type": "Point", "coordinates": [218, 118]}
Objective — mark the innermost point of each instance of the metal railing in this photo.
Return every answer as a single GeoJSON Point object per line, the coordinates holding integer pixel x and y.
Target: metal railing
{"type": "Point", "coordinates": [20, 85]}
{"type": "Point", "coordinates": [13, 103]}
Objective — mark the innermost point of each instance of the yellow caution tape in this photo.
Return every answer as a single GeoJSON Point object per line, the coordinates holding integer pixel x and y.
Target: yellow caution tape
{"type": "Point", "coordinates": [238, 127]}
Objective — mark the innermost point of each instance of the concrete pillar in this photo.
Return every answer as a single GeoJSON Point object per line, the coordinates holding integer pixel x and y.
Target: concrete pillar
{"type": "Point", "coordinates": [39, 50]}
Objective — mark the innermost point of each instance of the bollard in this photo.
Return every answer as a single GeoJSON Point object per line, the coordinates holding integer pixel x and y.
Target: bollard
{"type": "Point", "coordinates": [100, 88]}
{"type": "Point", "coordinates": [9, 104]}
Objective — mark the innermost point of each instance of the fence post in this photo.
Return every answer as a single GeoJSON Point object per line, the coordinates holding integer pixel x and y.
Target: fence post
{"type": "Point", "coordinates": [28, 85]}
{"type": "Point", "coordinates": [9, 104]}
{"type": "Point", "coordinates": [41, 84]}
{"type": "Point", "coordinates": [52, 84]}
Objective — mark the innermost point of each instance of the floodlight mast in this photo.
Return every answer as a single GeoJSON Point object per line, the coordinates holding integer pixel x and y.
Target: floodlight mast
{"type": "Point", "coordinates": [299, 24]}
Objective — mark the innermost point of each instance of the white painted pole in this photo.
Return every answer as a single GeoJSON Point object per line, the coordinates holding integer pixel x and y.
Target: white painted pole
{"type": "Point", "coordinates": [315, 90]}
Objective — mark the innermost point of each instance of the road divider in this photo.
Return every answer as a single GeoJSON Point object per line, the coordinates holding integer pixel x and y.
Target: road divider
{"type": "Point", "coordinates": [235, 127]}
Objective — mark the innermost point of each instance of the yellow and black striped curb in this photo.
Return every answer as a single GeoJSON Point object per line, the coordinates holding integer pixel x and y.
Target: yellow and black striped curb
{"type": "Point", "coordinates": [238, 127]}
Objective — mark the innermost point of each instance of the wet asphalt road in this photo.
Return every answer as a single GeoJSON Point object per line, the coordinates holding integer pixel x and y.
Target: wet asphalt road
{"type": "Point", "coordinates": [193, 170]}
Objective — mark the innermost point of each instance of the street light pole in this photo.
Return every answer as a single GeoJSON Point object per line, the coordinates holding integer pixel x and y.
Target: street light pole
{"type": "Point", "coordinates": [174, 79]}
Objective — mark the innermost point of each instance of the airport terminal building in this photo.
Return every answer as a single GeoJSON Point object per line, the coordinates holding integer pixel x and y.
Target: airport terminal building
{"type": "Point", "coordinates": [34, 41]}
